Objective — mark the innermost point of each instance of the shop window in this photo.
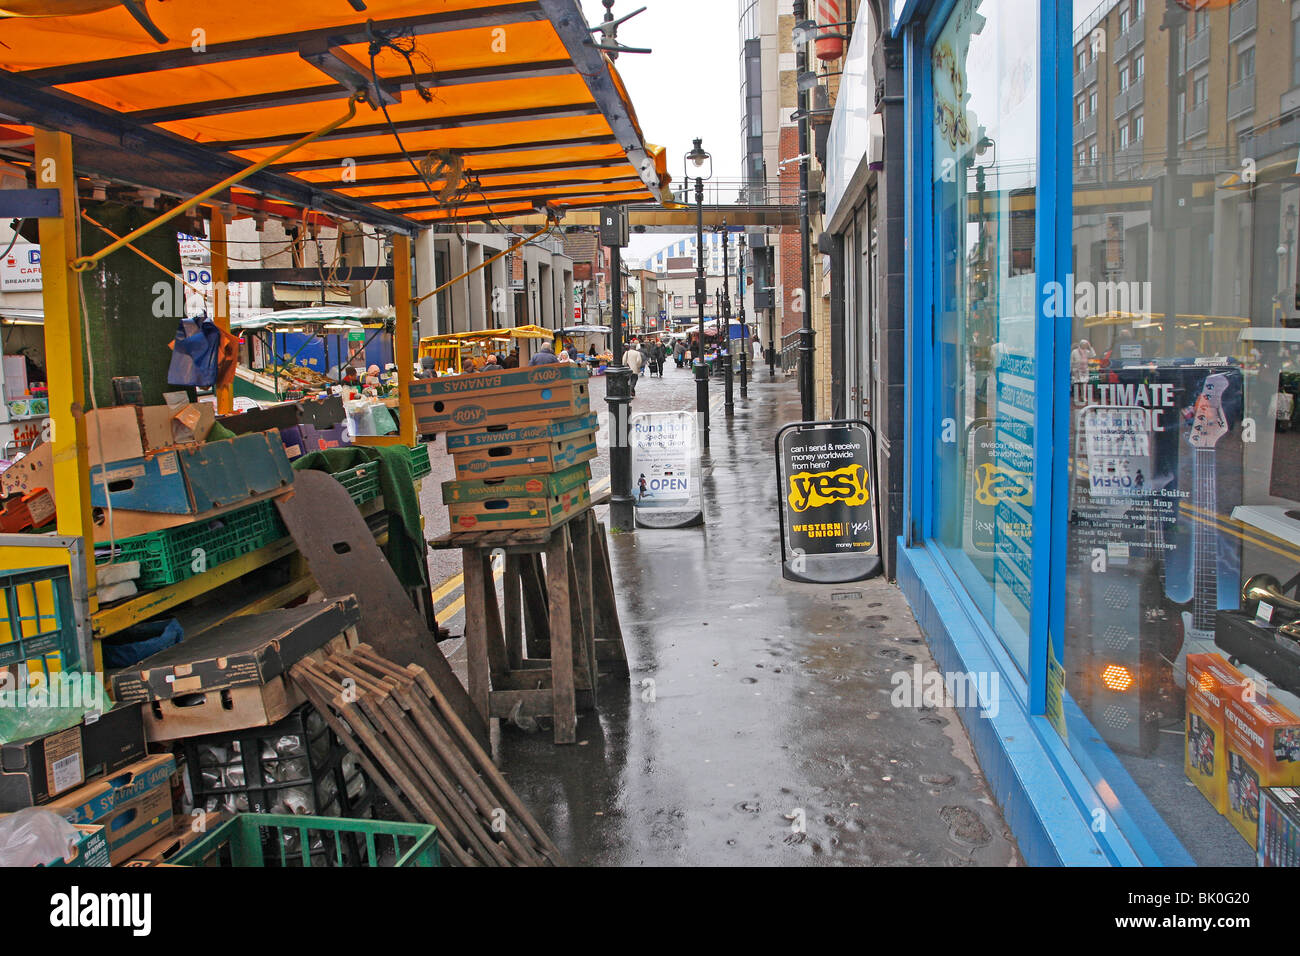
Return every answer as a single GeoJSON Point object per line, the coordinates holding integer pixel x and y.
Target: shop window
{"type": "Point", "coordinates": [984, 190]}
{"type": "Point", "coordinates": [1184, 467]}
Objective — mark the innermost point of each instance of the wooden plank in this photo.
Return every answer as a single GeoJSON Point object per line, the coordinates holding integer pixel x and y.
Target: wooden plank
{"type": "Point", "coordinates": [312, 692]}
{"type": "Point", "coordinates": [344, 559]}
{"type": "Point", "coordinates": [536, 613]}
{"type": "Point", "coordinates": [495, 635]}
{"type": "Point", "coordinates": [391, 763]}
{"type": "Point", "coordinates": [531, 703]}
{"type": "Point", "coordinates": [582, 561]}
{"type": "Point", "coordinates": [479, 758]}
{"type": "Point", "coordinates": [609, 632]}
{"type": "Point", "coordinates": [513, 624]}
{"type": "Point", "coordinates": [557, 584]}
{"type": "Point", "coordinates": [477, 578]}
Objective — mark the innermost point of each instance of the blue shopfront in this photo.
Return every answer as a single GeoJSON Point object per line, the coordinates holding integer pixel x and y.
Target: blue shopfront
{"type": "Point", "coordinates": [1102, 498]}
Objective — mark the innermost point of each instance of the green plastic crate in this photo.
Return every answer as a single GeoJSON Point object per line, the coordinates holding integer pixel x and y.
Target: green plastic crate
{"type": "Point", "coordinates": [169, 556]}
{"type": "Point", "coordinates": [362, 482]}
{"type": "Point", "coordinates": [259, 839]}
{"type": "Point", "coordinates": [420, 464]}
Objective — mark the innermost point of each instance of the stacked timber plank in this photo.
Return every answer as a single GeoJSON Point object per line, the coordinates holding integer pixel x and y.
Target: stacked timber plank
{"type": "Point", "coordinates": [423, 758]}
{"type": "Point", "coordinates": [520, 439]}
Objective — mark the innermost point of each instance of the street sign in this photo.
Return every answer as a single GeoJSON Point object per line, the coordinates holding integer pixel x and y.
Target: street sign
{"type": "Point", "coordinates": [828, 502]}
{"type": "Point", "coordinates": [664, 458]}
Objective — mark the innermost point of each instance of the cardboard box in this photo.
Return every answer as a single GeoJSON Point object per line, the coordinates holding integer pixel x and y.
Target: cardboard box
{"type": "Point", "coordinates": [480, 399]}
{"type": "Point", "coordinates": [516, 513]}
{"type": "Point", "coordinates": [1263, 745]}
{"type": "Point", "coordinates": [1211, 682]}
{"type": "Point", "coordinates": [246, 651]}
{"type": "Point", "coordinates": [180, 835]}
{"type": "Point", "coordinates": [1278, 843]}
{"type": "Point", "coordinates": [164, 426]}
{"type": "Point", "coordinates": [520, 433]}
{"type": "Point", "coordinates": [232, 708]}
{"type": "Point", "coordinates": [319, 413]}
{"type": "Point", "coordinates": [229, 472]}
{"type": "Point", "coordinates": [33, 510]}
{"type": "Point", "coordinates": [192, 479]}
{"type": "Point", "coordinates": [519, 486]}
{"type": "Point", "coordinates": [29, 473]}
{"type": "Point", "coordinates": [35, 771]}
{"type": "Point", "coordinates": [220, 711]}
{"type": "Point", "coordinates": [133, 806]}
{"type": "Point", "coordinates": [155, 483]}
{"type": "Point", "coordinates": [91, 850]}
{"type": "Point", "coordinates": [97, 800]}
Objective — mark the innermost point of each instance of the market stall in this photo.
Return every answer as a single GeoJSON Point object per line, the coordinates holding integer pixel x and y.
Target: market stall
{"type": "Point", "coordinates": [153, 539]}
{"type": "Point", "coordinates": [441, 354]}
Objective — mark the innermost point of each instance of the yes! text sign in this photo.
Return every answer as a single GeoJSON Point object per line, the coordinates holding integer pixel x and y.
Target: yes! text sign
{"type": "Point", "coordinates": [828, 502]}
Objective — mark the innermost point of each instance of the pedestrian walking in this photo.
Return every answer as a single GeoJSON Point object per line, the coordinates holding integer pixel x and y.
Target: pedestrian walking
{"type": "Point", "coordinates": [635, 360]}
{"type": "Point", "coordinates": [641, 485]}
{"type": "Point", "coordinates": [661, 356]}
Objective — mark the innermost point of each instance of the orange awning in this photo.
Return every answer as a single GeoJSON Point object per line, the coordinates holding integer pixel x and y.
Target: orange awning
{"type": "Point", "coordinates": [475, 108]}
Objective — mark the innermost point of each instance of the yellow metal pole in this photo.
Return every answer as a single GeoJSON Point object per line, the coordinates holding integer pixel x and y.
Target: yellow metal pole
{"type": "Point", "coordinates": [65, 348]}
{"type": "Point", "coordinates": [403, 347]}
{"type": "Point", "coordinates": [86, 263]}
{"type": "Point", "coordinates": [220, 278]}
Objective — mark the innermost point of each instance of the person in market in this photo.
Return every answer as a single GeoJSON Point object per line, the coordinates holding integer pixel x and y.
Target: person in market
{"type": "Point", "coordinates": [545, 355]}
{"type": "Point", "coordinates": [679, 353]}
{"type": "Point", "coordinates": [511, 360]}
{"type": "Point", "coordinates": [634, 360]}
{"type": "Point", "coordinates": [490, 364]}
{"type": "Point", "coordinates": [661, 356]}
{"type": "Point", "coordinates": [591, 352]}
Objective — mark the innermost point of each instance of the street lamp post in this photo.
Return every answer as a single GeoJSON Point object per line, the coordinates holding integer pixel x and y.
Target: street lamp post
{"type": "Point", "coordinates": [744, 324]}
{"type": "Point", "coordinates": [700, 160]}
{"type": "Point", "coordinates": [724, 357]}
{"type": "Point", "coordinates": [806, 328]}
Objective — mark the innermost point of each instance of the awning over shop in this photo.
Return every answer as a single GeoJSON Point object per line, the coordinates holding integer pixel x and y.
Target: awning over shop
{"type": "Point", "coordinates": [347, 318]}
{"type": "Point", "coordinates": [473, 108]}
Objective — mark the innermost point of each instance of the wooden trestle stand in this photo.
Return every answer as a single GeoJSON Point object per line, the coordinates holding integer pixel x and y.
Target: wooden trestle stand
{"type": "Point", "coordinates": [539, 655]}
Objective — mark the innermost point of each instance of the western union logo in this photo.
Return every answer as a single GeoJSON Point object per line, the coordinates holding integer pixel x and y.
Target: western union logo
{"type": "Point", "coordinates": [816, 489]}
{"type": "Point", "coordinates": [994, 484]}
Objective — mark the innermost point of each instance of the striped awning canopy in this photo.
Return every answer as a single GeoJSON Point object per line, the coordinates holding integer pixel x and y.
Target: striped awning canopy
{"type": "Point", "coordinates": [472, 109]}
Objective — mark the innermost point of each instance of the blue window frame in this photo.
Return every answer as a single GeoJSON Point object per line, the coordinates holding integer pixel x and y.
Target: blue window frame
{"type": "Point", "coordinates": [1132, 831]}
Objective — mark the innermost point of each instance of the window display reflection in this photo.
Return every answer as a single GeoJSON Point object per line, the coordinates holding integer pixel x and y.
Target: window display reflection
{"type": "Point", "coordinates": [1184, 368]}
{"type": "Point", "coordinates": [984, 186]}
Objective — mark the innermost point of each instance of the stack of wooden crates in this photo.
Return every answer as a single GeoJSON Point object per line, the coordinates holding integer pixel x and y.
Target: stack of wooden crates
{"type": "Point", "coordinates": [520, 440]}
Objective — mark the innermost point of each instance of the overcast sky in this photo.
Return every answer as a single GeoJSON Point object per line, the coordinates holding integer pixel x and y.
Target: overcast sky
{"type": "Point", "coordinates": [689, 87]}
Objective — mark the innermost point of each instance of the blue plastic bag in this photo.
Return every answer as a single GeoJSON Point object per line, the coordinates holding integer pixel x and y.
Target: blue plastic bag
{"type": "Point", "coordinates": [195, 351]}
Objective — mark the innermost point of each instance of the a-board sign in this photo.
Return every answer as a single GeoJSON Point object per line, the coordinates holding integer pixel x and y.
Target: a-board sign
{"type": "Point", "coordinates": [664, 472]}
{"type": "Point", "coordinates": [828, 503]}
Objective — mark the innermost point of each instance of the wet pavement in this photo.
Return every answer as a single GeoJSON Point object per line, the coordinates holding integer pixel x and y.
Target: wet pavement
{"type": "Point", "coordinates": [757, 726]}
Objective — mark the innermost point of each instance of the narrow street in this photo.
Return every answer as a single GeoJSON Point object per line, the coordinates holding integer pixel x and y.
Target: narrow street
{"type": "Point", "coordinates": [757, 727]}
